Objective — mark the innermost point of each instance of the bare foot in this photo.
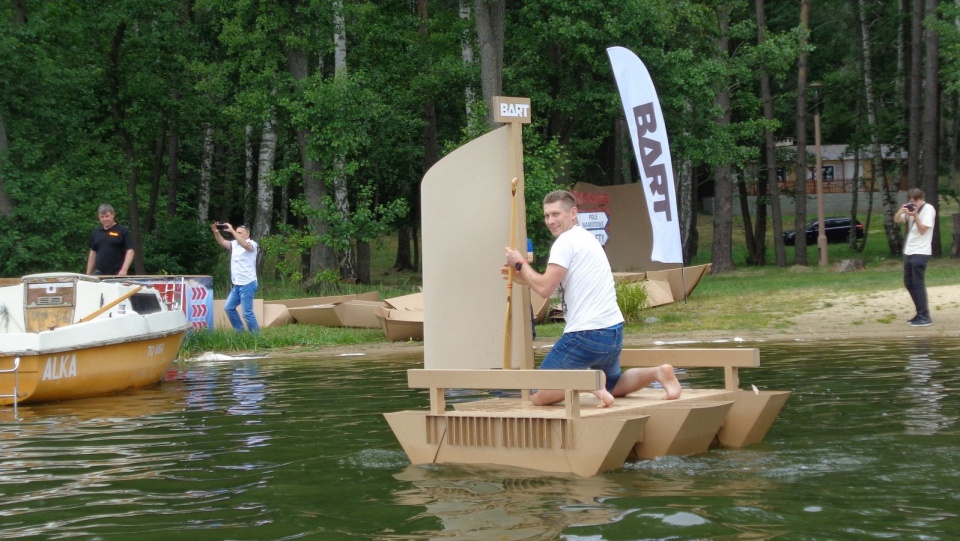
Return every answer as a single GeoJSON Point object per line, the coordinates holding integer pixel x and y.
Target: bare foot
{"type": "Point", "coordinates": [606, 399]}
{"type": "Point", "coordinates": [669, 380]}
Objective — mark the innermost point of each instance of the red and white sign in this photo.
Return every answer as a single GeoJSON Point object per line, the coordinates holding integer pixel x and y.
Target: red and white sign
{"type": "Point", "coordinates": [192, 294]}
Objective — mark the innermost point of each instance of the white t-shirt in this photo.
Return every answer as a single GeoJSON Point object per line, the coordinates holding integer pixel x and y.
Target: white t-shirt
{"type": "Point", "coordinates": [918, 244]}
{"type": "Point", "coordinates": [243, 263]}
{"type": "Point", "coordinates": [589, 294]}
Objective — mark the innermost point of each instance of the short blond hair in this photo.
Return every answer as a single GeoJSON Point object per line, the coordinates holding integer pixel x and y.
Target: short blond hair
{"type": "Point", "coordinates": [563, 196]}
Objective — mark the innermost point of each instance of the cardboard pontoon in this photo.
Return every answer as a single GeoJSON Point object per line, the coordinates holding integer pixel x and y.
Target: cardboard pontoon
{"type": "Point", "coordinates": [490, 347]}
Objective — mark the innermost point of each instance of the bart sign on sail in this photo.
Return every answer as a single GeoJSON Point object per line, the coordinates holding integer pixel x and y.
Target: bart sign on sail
{"type": "Point", "coordinates": [649, 135]}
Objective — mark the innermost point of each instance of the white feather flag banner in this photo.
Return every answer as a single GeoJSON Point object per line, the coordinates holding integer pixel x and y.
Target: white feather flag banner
{"type": "Point", "coordinates": [649, 135]}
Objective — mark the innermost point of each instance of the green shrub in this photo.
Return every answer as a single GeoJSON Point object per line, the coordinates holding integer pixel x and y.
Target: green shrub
{"type": "Point", "coordinates": [632, 299]}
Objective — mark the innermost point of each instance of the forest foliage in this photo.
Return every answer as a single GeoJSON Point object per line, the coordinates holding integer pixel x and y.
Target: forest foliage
{"type": "Point", "coordinates": [315, 120]}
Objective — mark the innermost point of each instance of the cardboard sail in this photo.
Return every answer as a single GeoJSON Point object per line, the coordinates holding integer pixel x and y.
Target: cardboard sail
{"type": "Point", "coordinates": [465, 209]}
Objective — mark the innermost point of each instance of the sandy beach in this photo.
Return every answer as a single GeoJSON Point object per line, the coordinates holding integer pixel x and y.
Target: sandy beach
{"type": "Point", "coordinates": [879, 315]}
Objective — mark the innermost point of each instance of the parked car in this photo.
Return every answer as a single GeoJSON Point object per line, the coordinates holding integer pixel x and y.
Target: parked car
{"type": "Point", "coordinates": [837, 230]}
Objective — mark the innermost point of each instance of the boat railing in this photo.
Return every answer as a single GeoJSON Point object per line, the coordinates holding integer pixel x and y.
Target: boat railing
{"type": "Point", "coordinates": [15, 370]}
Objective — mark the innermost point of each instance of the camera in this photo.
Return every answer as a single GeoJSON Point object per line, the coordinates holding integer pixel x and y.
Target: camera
{"type": "Point", "coordinates": [221, 227]}
{"type": "Point", "coordinates": [911, 207]}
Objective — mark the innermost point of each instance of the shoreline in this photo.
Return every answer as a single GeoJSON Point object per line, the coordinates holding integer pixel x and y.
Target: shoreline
{"type": "Point", "coordinates": [873, 316]}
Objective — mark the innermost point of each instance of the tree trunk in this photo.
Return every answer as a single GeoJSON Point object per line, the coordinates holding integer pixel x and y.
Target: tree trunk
{"type": "Point", "coordinates": [931, 117]}
{"type": "Point", "coordinates": [248, 169]}
{"type": "Point", "coordinates": [490, 18]}
{"type": "Point", "coordinates": [403, 261]}
{"type": "Point", "coordinates": [151, 222]}
{"type": "Point", "coordinates": [914, 132]}
{"type": "Point", "coordinates": [687, 198]}
{"type": "Point", "coordinates": [855, 192]}
{"type": "Point", "coordinates": [268, 153]}
{"type": "Point", "coordinates": [126, 142]}
{"type": "Point", "coordinates": [173, 163]}
{"type": "Point", "coordinates": [760, 229]}
{"type": "Point", "coordinates": [894, 240]}
{"type": "Point", "coordinates": [363, 262]}
{"type": "Point", "coordinates": [770, 147]}
{"type": "Point", "coordinates": [6, 204]}
{"type": "Point", "coordinates": [314, 189]}
{"type": "Point", "coordinates": [722, 220]}
{"type": "Point", "coordinates": [18, 16]}
{"type": "Point", "coordinates": [622, 168]}
{"type": "Point", "coordinates": [723, 175]}
{"type": "Point", "coordinates": [466, 52]}
{"type": "Point", "coordinates": [206, 172]}
{"type": "Point", "coordinates": [800, 214]}
{"type": "Point", "coordinates": [340, 189]}
{"type": "Point", "coordinates": [753, 257]}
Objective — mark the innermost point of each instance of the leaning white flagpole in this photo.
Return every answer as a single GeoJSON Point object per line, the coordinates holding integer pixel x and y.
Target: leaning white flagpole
{"type": "Point", "coordinates": [648, 131]}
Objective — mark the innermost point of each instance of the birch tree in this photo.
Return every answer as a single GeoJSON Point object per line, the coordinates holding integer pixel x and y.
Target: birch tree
{"type": "Point", "coordinates": [206, 173]}
{"type": "Point", "coordinates": [340, 193]}
{"type": "Point", "coordinates": [466, 53]}
{"type": "Point", "coordinates": [265, 166]}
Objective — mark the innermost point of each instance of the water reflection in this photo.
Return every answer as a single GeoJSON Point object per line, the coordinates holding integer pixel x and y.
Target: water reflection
{"type": "Point", "coordinates": [486, 502]}
{"type": "Point", "coordinates": [502, 503]}
{"type": "Point", "coordinates": [925, 393]}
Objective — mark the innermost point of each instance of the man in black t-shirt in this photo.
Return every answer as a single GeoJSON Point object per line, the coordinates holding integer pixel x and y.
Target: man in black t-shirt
{"type": "Point", "coordinates": [111, 246]}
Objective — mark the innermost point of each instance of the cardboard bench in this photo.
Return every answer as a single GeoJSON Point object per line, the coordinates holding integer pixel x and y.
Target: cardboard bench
{"type": "Point", "coordinates": [730, 359]}
{"type": "Point", "coordinates": [572, 382]}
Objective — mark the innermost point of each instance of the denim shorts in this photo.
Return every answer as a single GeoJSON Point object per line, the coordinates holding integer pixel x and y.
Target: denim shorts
{"type": "Point", "coordinates": [594, 350]}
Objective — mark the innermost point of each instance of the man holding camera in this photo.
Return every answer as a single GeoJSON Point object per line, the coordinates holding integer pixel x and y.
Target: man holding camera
{"type": "Point", "coordinates": [920, 219]}
{"type": "Point", "coordinates": [243, 274]}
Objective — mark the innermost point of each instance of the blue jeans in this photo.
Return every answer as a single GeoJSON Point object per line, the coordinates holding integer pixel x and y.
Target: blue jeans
{"type": "Point", "coordinates": [594, 350]}
{"type": "Point", "coordinates": [242, 296]}
{"type": "Point", "coordinates": [914, 271]}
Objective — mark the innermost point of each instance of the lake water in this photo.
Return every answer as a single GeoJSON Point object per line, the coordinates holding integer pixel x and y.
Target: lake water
{"type": "Point", "coordinates": [867, 447]}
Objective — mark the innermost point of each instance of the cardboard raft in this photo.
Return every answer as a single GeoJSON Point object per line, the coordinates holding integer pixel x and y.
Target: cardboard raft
{"type": "Point", "coordinates": [494, 351]}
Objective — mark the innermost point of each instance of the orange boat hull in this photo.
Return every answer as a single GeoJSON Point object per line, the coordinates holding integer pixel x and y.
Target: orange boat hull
{"type": "Point", "coordinates": [91, 371]}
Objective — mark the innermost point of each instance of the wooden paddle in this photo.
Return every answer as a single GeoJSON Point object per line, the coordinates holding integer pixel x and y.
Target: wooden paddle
{"type": "Point", "coordinates": [111, 304]}
{"type": "Point", "coordinates": [508, 325]}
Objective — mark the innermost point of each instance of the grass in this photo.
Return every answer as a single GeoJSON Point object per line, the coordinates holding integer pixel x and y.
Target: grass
{"type": "Point", "coordinates": [748, 298]}
{"type": "Point", "coordinates": [291, 338]}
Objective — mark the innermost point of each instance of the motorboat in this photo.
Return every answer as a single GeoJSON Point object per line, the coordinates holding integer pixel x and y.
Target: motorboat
{"type": "Point", "coordinates": [66, 336]}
